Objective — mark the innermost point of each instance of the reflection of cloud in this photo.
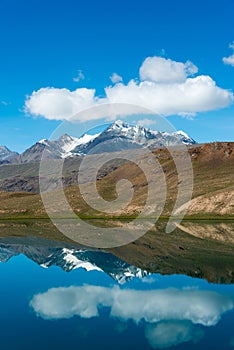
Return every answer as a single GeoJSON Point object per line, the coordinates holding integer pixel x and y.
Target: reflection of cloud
{"type": "Point", "coordinates": [67, 302]}
{"type": "Point", "coordinates": [121, 327]}
{"type": "Point", "coordinates": [166, 334]}
{"type": "Point", "coordinates": [199, 307]}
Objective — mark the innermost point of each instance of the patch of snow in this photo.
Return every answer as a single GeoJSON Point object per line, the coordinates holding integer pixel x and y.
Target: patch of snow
{"type": "Point", "coordinates": [182, 133]}
{"type": "Point", "coordinates": [43, 142]}
{"type": "Point", "coordinates": [44, 266]}
{"type": "Point", "coordinates": [72, 259]}
{"type": "Point", "coordinates": [74, 142]}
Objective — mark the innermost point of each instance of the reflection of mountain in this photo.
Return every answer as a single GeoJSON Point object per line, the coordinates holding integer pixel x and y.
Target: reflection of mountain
{"type": "Point", "coordinates": [69, 258]}
{"type": "Point", "coordinates": [156, 252]}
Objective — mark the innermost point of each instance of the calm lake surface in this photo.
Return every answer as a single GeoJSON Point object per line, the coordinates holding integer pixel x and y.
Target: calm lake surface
{"type": "Point", "coordinates": [57, 296]}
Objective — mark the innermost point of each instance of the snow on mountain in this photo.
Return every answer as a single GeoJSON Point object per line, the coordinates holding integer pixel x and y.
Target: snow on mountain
{"type": "Point", "coordinates": [116, 137]}
{"type": "Point", "coordinates": [57, 149]}
{"type": "Point", "coordinates": [6, 154]}
{"type": "Point", "coordinates": [74, 142]}
{"type": "Point", "coordinates": [121, 136]}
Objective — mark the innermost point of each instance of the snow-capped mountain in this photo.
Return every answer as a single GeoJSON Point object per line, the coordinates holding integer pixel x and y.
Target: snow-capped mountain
{"type": "Point", "coordinates": [121, 136]}
{"type": "Point", "coordinates": [6, 154]}
{"type": "Point", "coordinates": [116, 137]}
{"type": "Point", "coordinates": [61, 148]}
{"type": "Point", "coordinates": [70, 258]}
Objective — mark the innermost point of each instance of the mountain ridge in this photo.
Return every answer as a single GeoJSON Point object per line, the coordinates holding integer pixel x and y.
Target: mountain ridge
{"type": "Point", "coordinates": [6, 155]}
{"type": "Point", "coordinates": [117, 136]}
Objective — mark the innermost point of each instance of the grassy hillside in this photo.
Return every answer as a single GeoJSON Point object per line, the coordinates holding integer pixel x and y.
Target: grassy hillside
{"type": "Point", "coordinates": [213, 192]}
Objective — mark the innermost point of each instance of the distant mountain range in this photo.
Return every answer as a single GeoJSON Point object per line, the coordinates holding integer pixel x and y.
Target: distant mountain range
{"type": "Point", "coordinates": [7, 155]}
{"type": "Point", "coordinates": [71, 258]}
{"type": "Point", "coordinates": [116, 137]}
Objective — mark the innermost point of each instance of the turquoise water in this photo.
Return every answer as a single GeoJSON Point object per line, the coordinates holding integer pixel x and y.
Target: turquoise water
{"type": "Point", "coordinates": [44, 306]}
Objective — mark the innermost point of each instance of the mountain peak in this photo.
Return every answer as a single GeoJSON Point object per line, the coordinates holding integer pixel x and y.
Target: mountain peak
{"type": "Point", "coordinates": [118, 136]}
{"type": "Point", "coordinates": [66, 137]}
{"type": "Point", "coordinates": [6, 154]}
{"type": "Point", "coordinates": [119, 124]}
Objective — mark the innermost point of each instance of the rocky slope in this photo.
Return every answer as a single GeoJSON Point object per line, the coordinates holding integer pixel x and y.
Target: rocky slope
{"type": "Point", "coordinates": [213, 168]}
{"type": "Point", "coordinates": [116, 137]}
{"type": "Point", "coordinates": [6, 155]}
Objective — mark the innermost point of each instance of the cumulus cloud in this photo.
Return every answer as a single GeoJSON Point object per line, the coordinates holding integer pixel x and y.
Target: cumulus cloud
{"type": "Point", "coordinates": [80, 76]}
{"type": "Point", "coordinates": [166, 334]}
{"type": "Point", "coordinates": [166, 87]}
{"type": "Point", "coordinates": [198, 307]}
{"type": "Point", "coordinates": [162, 70]}
{"type": "Point", "coordinates": [59, 104]}
{"type": "Point", "coordinates": [145, 122]}
{"type": "Point", "coordinates": [194, 95]}
{"type": "Point", "coordinates": [116, 78]}
{"type": "Point", "coordinates": [230, 59]}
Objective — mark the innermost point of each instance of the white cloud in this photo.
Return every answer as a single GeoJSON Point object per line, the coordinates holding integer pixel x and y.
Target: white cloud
{"type": "Point", "coordinates": [80, 76]}
{"type": "Point", "coordinates": [59, 104]}
{"type": "Point", "coordinates": [197, 94]}
{"type": "Point", "coordinates": [230, 59]}
{"type": "Point", "coordinates": [166, 89]}
{"type": "Point", "coordinates": [167, 334]}
{"type": "Point", "coordinates": [116, 78]}
{"type": "Point", "coordinates": [198, 307]}
{"type": "Point", "coordinates": [162, 70]}
{"type": "Point", "coordinates": [145, 122]}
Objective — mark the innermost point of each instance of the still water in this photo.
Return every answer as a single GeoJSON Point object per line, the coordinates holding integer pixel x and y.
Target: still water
{"type": "Point", "coordinates": [57, 296]}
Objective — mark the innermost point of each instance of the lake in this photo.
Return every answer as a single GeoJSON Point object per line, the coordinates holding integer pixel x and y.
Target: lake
{"type": "Point", "coordinates": [147, 295]}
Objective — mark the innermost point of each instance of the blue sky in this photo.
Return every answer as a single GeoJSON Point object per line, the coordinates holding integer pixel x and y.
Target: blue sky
{"type": "Point", "coordinates": [45, 43]}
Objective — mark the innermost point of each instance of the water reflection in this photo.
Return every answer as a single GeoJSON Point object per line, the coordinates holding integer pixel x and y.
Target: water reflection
{"type": "Point", "coordinates": [172, 333]}
{"type": "Point", "coordinates": [171, 316]}
{"type": "Point", "coordinates": [199, 307]}
{"type": "Point", "coordinates": [137, 296]}
{"type": "Point", "coordinates": [69, 257]}
{"type": "Point", "coordinates": [156, 252]}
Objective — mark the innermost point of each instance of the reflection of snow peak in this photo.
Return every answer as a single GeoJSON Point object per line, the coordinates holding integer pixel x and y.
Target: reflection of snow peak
{"type": "Point", "coordinates": [198, 307]}
{"type": "Point", "coordinates": [69, 258]}
{"type": "Point", "coordinates": [76, 263]}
